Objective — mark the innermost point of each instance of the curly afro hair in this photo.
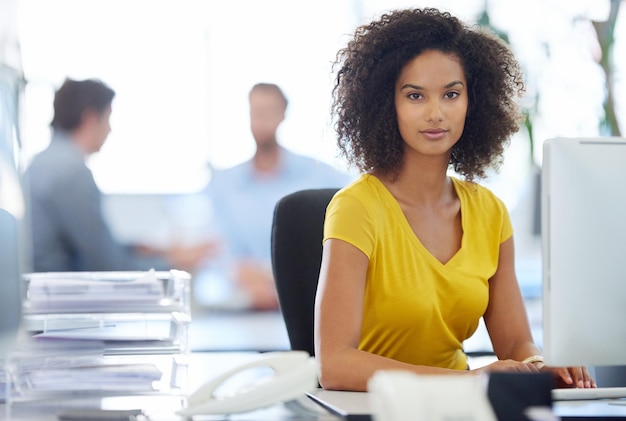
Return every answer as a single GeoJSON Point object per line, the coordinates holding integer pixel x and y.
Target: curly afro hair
{"type": "Point", "coordinates": [363, 95]}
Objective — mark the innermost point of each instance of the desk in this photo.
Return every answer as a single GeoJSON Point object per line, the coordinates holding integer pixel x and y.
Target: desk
{"type": "Point", "coordinates": [202, 367]}
{"type": "Point", "coordinates": [205, 366]}
{"type": "Point", "coordinates": [357, 404]}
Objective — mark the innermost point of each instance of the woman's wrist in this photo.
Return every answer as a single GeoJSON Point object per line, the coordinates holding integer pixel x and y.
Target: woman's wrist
{"type": "Point", "coordinates": [533, 359]}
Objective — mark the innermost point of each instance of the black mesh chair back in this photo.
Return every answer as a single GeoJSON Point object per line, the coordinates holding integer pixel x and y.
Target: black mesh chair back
{"type": "Point", "coordinates": [297, 232]}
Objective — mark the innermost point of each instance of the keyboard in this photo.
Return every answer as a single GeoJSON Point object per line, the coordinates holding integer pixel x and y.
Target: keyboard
{"type": "Point", "coordinates": [571, 394]}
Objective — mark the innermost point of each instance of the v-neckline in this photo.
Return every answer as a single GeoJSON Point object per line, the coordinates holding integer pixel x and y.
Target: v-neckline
{"type": "Point", "coordinates": [406, 226]}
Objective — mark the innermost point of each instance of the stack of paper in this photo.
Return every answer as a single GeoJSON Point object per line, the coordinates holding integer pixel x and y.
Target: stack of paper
{"type": "Point", "coordinates": [101, 332]}
{"type": "Point", "coordinates": [98, 377]}
{"type": "Point", "coordinates": [49, 368]}
{"type": "Point", "coordinates": [128, 311]}
{"type": "Point", "coordinates": [88, 291]}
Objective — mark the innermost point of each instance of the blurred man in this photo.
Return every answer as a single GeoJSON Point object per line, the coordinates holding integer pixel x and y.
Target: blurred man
{"type": "Point", "coordinates": [68, 226]}
{"type": "Point", "coordinates": [244, 197]}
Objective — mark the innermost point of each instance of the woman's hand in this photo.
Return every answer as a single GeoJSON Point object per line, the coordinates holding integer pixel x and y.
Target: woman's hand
{"type": "Point", "coordinates": [569, 376]}
{"type": "Point", "coordinates": [565, 376]}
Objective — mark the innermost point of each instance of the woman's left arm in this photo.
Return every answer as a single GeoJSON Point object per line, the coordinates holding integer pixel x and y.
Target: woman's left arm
{"type": "Point", "coordinates": [507, 323]}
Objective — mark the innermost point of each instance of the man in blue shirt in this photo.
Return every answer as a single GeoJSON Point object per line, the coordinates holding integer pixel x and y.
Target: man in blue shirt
{"type": "Point", "coordinates": [68, 226]}
{"type": "Point", "coordinates": [244, 196]}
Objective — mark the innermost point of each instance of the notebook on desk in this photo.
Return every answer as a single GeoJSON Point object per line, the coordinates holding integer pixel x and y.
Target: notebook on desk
{"type": "Point", "coordinates": [351, 406]}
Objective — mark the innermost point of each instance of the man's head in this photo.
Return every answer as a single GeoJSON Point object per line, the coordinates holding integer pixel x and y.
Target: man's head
{"type": "Point", "coordinates": [268, 105]}
{"type": "Point", "coordinates": [82, 108]}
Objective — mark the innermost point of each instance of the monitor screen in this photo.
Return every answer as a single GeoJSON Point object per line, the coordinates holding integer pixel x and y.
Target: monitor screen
{"type": "Point", "coordinates": [584, 251]}
{"type": "Point", "coordinates": [13, 247]}
{"type": "Point", "coordinates": [11, 252]}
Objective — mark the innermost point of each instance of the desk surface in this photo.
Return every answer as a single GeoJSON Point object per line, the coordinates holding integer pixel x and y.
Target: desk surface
{"type": "Point", "coordinates": [206, 366]}
{"type": "Point", "coordinates": [202, 368]}
{"type": "Point", "coordinates": [356, 405]}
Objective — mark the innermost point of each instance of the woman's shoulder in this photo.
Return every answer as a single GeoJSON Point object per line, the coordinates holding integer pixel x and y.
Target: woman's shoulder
{"type": "Point", "coordinates": [366, 188]}
{"type": "Point", "coordinates": [363, 195]}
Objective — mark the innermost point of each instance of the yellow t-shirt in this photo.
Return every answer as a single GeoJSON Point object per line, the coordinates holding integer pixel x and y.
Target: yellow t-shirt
{"type": "Point", "coordinates": [416, 309]}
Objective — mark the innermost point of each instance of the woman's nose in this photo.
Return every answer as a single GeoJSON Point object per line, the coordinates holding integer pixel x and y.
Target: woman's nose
{"type": "Point", "coordinates": [434, 112]}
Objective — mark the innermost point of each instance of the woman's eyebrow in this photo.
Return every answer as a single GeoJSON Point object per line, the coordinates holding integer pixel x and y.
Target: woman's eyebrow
{"type": "Point", "coordinates": [418, 87]}
{"type": "Point", "coordinates": [456, 82]}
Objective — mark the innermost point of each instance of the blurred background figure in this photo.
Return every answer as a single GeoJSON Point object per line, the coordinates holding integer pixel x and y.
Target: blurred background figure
{"type": "Point", "coordinates": [69, 232]}
{"type": "Point", "coordinates": [243, 199]}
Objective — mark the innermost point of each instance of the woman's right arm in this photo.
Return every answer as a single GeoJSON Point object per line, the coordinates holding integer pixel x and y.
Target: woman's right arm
{"type": "Point", "coordinates": [338, 318]}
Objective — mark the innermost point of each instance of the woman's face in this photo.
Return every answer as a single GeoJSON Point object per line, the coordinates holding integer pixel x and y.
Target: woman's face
{"type": "Point", "coordinates": [431, 99]}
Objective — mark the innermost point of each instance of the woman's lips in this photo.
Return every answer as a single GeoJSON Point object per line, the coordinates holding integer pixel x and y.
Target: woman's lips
{"type": "Point", "coordinates": [434, 134]}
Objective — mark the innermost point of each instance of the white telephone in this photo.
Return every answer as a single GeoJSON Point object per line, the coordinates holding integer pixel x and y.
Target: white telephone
{"type": "Point", "coordinates": [294, 374]}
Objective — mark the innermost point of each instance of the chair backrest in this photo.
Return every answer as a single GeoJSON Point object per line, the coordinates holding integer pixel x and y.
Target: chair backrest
{"type": "Point", "coordinates": [297, 233]}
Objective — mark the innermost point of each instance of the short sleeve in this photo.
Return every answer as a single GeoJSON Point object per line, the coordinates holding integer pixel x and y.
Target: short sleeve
{"type": "Point", "coordinates": [348, 219]}
{"type": "Point", "coordinates": [507, 227]}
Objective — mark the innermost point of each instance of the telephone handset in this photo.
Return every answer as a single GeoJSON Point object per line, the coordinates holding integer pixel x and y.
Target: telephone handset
{"type": "Point", "coordinates": [294, 374]}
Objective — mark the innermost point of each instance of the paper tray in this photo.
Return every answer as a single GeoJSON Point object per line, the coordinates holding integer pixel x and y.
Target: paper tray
{"type": "Point", "coordinates": [119, 333]}
{"type": "Point", "coordinates": [119, 292]}
{"type": "Point", "coordinates": [81, 374]}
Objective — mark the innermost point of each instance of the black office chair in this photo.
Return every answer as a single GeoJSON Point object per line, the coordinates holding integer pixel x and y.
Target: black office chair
{"type": "Point", "coordinates": [297, 233]}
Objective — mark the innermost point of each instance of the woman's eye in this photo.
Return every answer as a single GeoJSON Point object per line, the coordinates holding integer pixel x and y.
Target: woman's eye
{"type": "Point", "coordinates": [414, 96]}
{"type": "Point", "coordinates": [452, 95]}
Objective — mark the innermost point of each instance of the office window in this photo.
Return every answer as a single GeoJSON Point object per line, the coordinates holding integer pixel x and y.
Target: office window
{"type": "Point", "coordinates": [153, 55]}
{"type": "Point", "coordinates": [182, 71]}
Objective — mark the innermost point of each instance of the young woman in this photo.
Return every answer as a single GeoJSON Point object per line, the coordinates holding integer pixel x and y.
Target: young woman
{"type": "Point", "coordinates": [414, 257]}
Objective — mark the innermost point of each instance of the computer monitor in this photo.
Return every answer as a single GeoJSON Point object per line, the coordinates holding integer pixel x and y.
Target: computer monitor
{"type": "Point", "coordinates": [10, 273]}
{"type": "Point", "coordinates": [12, 248]}
{"type": "Point", "coordinates": [584, 251]}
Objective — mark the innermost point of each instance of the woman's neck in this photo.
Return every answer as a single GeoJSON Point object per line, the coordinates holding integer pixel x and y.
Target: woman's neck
{"type": "Point", "coordinates": [424, 184]}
